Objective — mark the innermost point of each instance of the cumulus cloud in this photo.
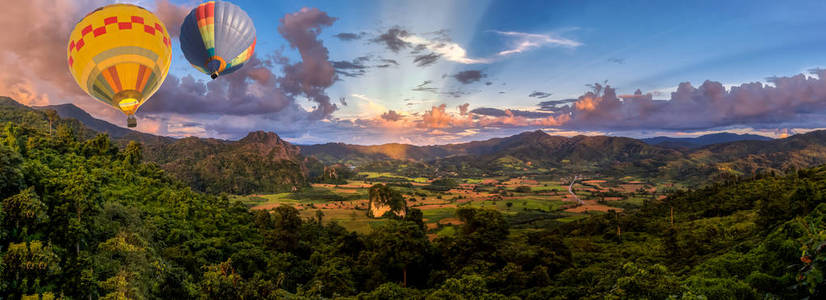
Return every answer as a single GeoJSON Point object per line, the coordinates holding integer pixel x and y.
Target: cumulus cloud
{"type": "Point", "coordinates": [34, 56]}
{"type": "Point", "coordinates": [799, 100]}
{"type": "Point", "coordinates": [789, 103]}
{"type": "Point", "coordinates": [252, 89]}
{"type": "Point", "coordinates": [171, 15]}
{"type": "Point", "coordinates": [469, 76]}
{"type": "Point", "coordinates": [438, 117]}
{"type": "Point", "coordinates": [463, 109]}
{"type": "Point", "coordinates": [255, 89]}
{"type": "Point", "coordinates": [314, 73]}
{"type": "Point", "coordinates": [391, 115]}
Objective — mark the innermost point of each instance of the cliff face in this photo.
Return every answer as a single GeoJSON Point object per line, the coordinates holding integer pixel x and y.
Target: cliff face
{"type": "Point", "coordinates": [384, 200]}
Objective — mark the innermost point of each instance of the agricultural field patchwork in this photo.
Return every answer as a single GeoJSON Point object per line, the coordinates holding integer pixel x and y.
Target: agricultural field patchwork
{"type": "Point", "coordinates": [531, 202]}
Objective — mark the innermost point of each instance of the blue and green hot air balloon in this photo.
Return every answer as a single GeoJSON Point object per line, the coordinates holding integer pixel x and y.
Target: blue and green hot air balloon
{"type": "Point", "coordinates": [217, 38]}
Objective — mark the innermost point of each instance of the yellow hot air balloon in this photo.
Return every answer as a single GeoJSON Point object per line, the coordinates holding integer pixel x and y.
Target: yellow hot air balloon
{"type": "Point", "coordinates": [120, 54]}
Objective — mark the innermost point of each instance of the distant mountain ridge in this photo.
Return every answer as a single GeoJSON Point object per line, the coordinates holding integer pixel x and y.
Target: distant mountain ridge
{"type": "Point", "coordinates": [703, 140]}
{"type": "Point", "coordinates": [264, 162]}
{"type": "Point", "coordinates": [69, 110]}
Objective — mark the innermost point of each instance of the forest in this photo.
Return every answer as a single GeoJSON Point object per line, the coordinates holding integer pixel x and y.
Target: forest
{"type": "Point", "coordinates": [84, 218]}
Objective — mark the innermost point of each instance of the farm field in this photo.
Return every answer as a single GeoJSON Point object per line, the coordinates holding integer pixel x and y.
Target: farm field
{"type": "Point", "coordinates": [547, 201]}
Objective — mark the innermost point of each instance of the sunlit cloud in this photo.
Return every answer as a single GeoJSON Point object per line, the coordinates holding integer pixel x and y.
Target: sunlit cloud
{"type": "Point", "coordinates": [445, 49]}
{"type": "Point", "coordinates": [528, 41]}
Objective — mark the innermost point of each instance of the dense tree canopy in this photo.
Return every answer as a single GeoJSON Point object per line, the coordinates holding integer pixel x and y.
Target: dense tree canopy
{"type": "Point", "coordinates": [84, 218]}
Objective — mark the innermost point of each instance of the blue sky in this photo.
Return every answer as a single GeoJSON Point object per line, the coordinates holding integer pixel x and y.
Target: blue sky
{"type": "Point", "coordinates": [494, 54]}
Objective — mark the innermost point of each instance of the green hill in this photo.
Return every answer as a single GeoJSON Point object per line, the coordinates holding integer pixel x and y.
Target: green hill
{"type": "Point", "coordinates": [85, 218]}
{"type": "Point", "coordinates": [259, 163]}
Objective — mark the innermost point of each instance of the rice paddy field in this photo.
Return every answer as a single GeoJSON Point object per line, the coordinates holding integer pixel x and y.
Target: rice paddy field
{"type": "Point", "coordinates": [519, 199]}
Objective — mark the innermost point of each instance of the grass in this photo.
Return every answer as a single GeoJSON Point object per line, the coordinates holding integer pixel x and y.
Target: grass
{"type": "Point", "coordinates": [518, 204]}
{"type": "Point", "coordinates": [371, 175]}
{"type": "Point", "coordinates": [264, 199]}
{"type": "Point", "coordinates": [436, 214]}
{"type": "Point", "coordinates": [549, 186]}
{"type": "Point", "coordinates": [352, 220]}
{"type": "Point", "coordinates": [447, 231]}
{"type": "Point", "coordinates": [571, 218]}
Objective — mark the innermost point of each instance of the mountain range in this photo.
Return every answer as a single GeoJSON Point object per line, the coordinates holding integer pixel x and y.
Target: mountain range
{"type": "Point", "coordinates": [703, 140]}
{"type": "Point", "coordinates": [263, 162]}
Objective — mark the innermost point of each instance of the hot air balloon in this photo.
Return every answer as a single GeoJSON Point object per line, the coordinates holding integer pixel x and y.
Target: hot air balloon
{"type": "Point", "coordinates": [217, 38]}
{"type": "Point", "coordinates": [120, 54]}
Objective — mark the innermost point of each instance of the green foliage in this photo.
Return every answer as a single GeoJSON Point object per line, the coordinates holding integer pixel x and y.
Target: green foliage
{"type": "Point", "coordinates": [384, 195]}
{"type": "Point", "coordinates": [83, 218]}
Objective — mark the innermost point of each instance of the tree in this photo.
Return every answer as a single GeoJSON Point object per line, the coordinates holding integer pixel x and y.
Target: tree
{"type": "Point", "coordinates": [221, 282]}
{"type": "Point", "coordinates": [23, 212]}
{"type": "Point", "coordinates": [396, 245]}
{"type": "Point", "coordinates": [646, 282]}
{"type": "Point", "coordinates": [11, 176]}
{"type": "Point", "coordinates": [27, 266]}
{"type": "Point", "coordinates": [133, 154]}
{"type": "Point", "coordinates": [52, 115]}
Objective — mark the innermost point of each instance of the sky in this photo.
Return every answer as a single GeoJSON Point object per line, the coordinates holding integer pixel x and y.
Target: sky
{"type": "Point", "coordinates": [436, 72]}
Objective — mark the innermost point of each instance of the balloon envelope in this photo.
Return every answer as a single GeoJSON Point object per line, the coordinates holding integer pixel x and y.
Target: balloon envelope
{"type": "Point", "coordinates": [120, 54]}
{"type": "Point", "coordinates": [217, 38]}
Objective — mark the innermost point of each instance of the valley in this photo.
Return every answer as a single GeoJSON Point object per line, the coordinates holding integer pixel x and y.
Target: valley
{"type": "Point", "coordinates": [530, 202]}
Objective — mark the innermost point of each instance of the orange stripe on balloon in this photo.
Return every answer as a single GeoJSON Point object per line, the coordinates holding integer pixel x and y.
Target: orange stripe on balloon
{"type": "Point", "coordinates": [113, 71]}
{"type": "Point", "coordinates": [141, 78]}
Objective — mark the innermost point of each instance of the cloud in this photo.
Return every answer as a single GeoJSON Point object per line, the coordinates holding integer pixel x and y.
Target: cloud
{"type": "Point", "coordinates": [252, 89]}
{"type": "Point", "coordinates": [455, 94]}
{"type": "Point", "coordinates": [463, 109]}
{"type": "Point", "coordinates": [438, 117]}
{"type": "Point", "coordinates": [540, 95]}
{"type": "Point", "coordinates": [255, 89]}
{"type": "Point", "coordinates": [786, 102]}
{"type": "Point", "coordinates": [392, 39]}
{"type": "Point", "coordinates": [171, 15]}
{"type": "Point", "coordinates": [426, 59]}
{"type": "Point", "coordinates": [424, 87]}
{"type": "Point", "coordinates": [552, 105]}
{"type": "Point", "coordinates": [426, 48]}
{"type": "Point", "coordinates": [353, 68]}
{"type": "Point", "coordinates": [314, 73]}
{"type": "Point", "coordinates": [387, 63]}
{"type": "Point", "coordinates": [443, 47]}
{"type": "Point", "coordinates": [617, 60]}
{"type": "Point", "coordinates": [469, 76]}
{"type": "Point", "coordinates": [495, 112]}
{"type": "Point", "coordinates": [349, 36]}
{"type": "Point", "coordinates": [527, 41]}
{"type": "Point", "coordinates": [33, 50]}
{"type": "Point", "coordinates": [391, 115]}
